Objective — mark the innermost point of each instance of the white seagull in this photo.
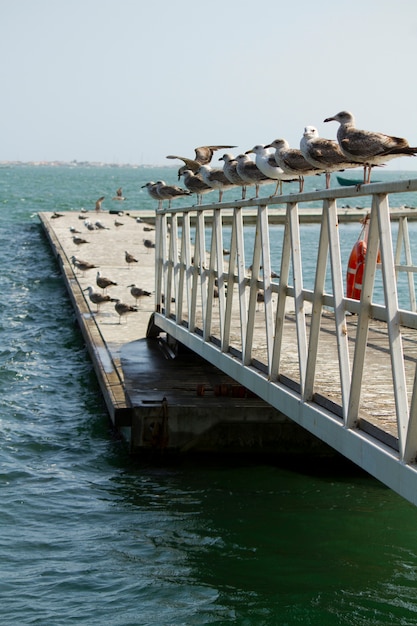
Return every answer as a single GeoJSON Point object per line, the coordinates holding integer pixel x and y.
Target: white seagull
{"type": "Point", "coordinates": [367, 147]}
{"type": "Point", "coordinates": [265, 161]}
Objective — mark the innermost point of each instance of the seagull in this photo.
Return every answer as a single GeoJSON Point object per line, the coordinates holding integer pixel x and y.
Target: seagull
{"type": "Point", "coordinates": [151, 187]}
{"type": "Point", "coordinates": [103, 282]}
{"type": "Point", "coordinates": [124, 309]}
{"type": "Point", "coordinates": [148, 244]}
{"type": "Point", "coordinates": [323, 153]}
{"type": "Point", "coordinates": [129, 258]}
{"type": "Point", "coordinates": [89, 225]}
{"type": "Point", "coordinates": [292, 161]}
{"type": "Point", "coordinates": [55, 215]}
{"type": "Point", "coordinates": [117, 223]}
{"type": "Point", "coordinates": [195, 184]}
{"type": "Point", "coordinates": [97, 298]}
{"type": "Point", "coordinates": [367, 147]}
{"type": "Point", "coordinates": [98, 203]}
{"type": "Point", "coordinates": [119, 195]}
{"type": "Point", "coordinates": [248, 171]}
{"type": "Point", "coordinates": [169, 192]}
{"type": "Point", "coordinates": [266, 163]}
{"type": "Point", "coordinates": [100, 226]}
{"type": "Point", "coordinates": [203, 156]}
{"type": "Point", "coordinates": [79, 240]}
{"type": "Point", "coordinates": [215, 178]}
{"type": "Point", "coordinates": [231, 173]}
{"type": "Point", "coordinates": [138, 292]}
{"type": "Point", "coordinates": [74, 231]}
{"type": "Point", "coordinates": [83, 266]}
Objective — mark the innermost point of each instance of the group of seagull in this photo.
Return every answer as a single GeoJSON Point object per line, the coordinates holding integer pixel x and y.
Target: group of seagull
{"type": "Point", "coordinates": [104, 283]}
{"type": "Point", "coordinates": [316, 155]}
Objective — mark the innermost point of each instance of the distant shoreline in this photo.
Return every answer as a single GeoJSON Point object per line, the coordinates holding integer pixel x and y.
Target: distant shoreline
{"type": "Point", "coordinates": [82, 164]}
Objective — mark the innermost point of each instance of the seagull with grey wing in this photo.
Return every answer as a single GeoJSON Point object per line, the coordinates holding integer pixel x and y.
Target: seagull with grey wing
{"type": "Point", "coordinates": [138, 292]}
{"type": "Point", "coordinates": [195, 184]}
{"type": "Point", "coordinates": [250, 172]}
{"type": "Point", "coordinates": [123, 309]}
{"type": "Point", "coordinates": [231, 173]}
{"type": "Point", "coordinates": [203, 156]}
{"type": "Point", "coordinates": [292, 161]}
{"type": "Point", "coordinates": [103, 282]}
{"type": "Point", "coordinates": [368, 147]}
{"type": "Point", "coordinates": [323, 153]}
{"type": "Point", "coordinates": [215, 178]}
{"type": "Point", "coordinates": [98, 298]}
{"type": "Point", "coordinates": [169, 192]}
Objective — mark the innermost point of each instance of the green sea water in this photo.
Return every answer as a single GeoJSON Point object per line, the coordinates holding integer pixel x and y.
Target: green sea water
{"type": "Point", "coordinates": [90, 536]}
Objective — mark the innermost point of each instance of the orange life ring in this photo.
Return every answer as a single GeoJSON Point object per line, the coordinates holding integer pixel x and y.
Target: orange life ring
{"type": "Point", "coordinates": [357, 256]}
{"type": "Point", "coordinates": [357, 288]}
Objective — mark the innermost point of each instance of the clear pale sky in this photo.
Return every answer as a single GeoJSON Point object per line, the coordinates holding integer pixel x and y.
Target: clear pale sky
{"type": "Point", "coordinates": [130, 81]}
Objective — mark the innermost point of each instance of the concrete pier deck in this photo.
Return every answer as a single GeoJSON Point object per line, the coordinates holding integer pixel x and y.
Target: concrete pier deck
{"type": "Point", "coordinates": [141, 384]}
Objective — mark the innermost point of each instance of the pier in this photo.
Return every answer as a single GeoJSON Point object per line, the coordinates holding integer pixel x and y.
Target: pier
{"type": "Point", "coordinates": [302, 360]}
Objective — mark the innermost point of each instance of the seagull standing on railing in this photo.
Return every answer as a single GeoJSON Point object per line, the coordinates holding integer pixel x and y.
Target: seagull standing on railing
{"type": "Point", "coordinates": [367, 147]}
{"type": "Point", "coordinates": [323, 153]}
{"type": "Point", "coordinates": [248, 171]}
{"type": "Point", "coordinates": [266, 163]}
{"type": "Point", "coordinates": [195, 184]}
{"type": "Point", "coordinates": [292, 161]}
{"type": "Point", "coordinates": [169, 192]}
{"type": "Point", "coordinates": [231, 173]}
{"type": "Point", "coordinates": [215, 178]}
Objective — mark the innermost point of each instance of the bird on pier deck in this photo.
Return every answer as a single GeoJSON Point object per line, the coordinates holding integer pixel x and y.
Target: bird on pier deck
{"type": "Point", "coordinates": [97, 298]}
{"type": "Point", "coordinates": [123, 309]}
{"type": "Point", "coordinates": [79, 240]}
{"type": "Point", "coordinates": [103, 282]}
{"type": "Point", "coordinates": [138, 292]}
{"type": "Point", "coordinates": [367, 147]}
{"type": "Point", "coordinates": [129, 258]}
{"type": "Point", "coordinates": [83, 266]}
{"type": "Point", "coordinates": [98, 203]}
{"type": "Point", "coordinates": [148, 244]}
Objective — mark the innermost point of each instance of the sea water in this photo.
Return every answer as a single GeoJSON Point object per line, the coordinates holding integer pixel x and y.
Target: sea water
{"type": "Point", "coordinates": [90, 536]}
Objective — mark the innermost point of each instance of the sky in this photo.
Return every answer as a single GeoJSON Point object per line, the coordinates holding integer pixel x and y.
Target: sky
{"type": "Point", "coordinates": [131, 81]}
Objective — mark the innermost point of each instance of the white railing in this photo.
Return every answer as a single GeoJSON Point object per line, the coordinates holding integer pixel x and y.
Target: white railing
{"type": "Point", "coordinates": [210, 302]}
